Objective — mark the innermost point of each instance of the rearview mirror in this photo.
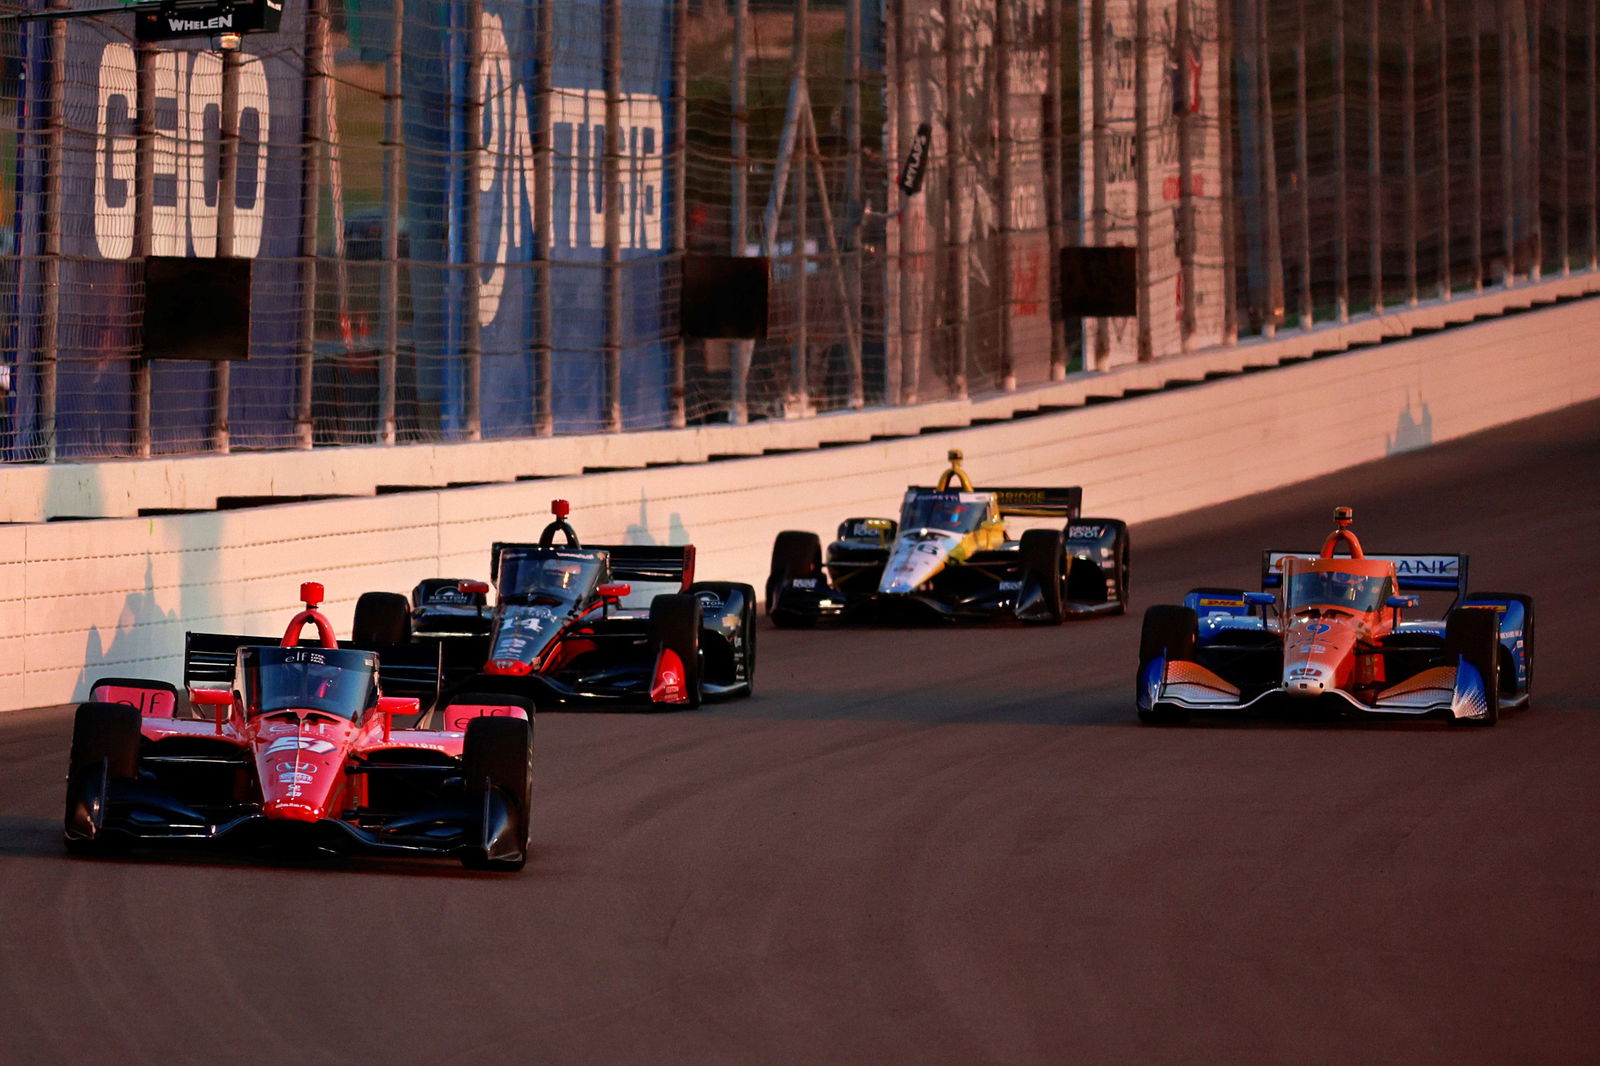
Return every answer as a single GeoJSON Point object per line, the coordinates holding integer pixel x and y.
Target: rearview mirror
{"type": "Point", "coordinates": [389, 706]}
{"type": "Point", "coordinates": [614, 591]}
{"type": "Point", "coordinates": [1260, 599]}
{"type": "Point", "coordinates": [1404, 600]}
{"type": "Point", "coordinates": [473, 588]}
{"type": "Point", "coordinates": [220, 700]}
{"type": "Point", "coordinates": [879, 524]}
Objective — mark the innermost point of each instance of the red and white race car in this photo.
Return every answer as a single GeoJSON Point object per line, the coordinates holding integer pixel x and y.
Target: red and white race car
{"type": "Point", "coordinates": [298, 748]}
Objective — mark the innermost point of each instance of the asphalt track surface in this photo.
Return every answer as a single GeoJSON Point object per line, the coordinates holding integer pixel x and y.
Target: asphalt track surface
{"type": "Point", "coordinates": [935, 846]}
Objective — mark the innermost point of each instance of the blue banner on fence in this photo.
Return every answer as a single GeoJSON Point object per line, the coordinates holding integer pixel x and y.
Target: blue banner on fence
{"type": "Point", "coordinates": [99, 280]}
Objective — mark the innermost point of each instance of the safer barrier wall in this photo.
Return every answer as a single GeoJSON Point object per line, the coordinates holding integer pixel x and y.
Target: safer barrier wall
{"type": "Point", "coordinates": [83, 599]}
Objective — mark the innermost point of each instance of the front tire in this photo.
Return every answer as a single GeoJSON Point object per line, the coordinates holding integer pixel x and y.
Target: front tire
{"type": "Point", "coordinates": [1527, 641]}
{"type": "Point", "coordinates": [497, 757]}
{"type": "Point", "coordinates": [1043, 555]}
{"type": "Point", "coordinates": [105, 748]}
{"type": "Point", "coordinates": [675, 622]}
{"type": "Point", "coordinates": [1168, 633]}
{"type": "Point", "coordinates": [1473, 634]}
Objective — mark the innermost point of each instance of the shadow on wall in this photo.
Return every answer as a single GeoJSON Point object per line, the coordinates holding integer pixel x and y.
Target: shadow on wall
{"type": "Point", "coordinates": [130, 652]}
{"type": "Point", "coordinates": [639, 532]}
{"type": "Point", "coordinates": [146, 640]}
{"type": "Point", "coordinates": [1412, 431]}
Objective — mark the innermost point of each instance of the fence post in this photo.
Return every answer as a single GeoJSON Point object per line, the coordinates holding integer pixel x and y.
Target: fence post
{"type": "Point", "coordinates": [1409, 108]}
{"type": "Point", "coordinates": [739, 211]}
{"type": "Point", "coordinates": [393, 161]}
{"type": "Point", "coordinates": [227, 194]}
{"type": "Point", "coordinates": [676, 413]}
{"type": "Point", "coordinates": [1055, 182]}
{"type": "Point", "coordinates": [544, 419]}
{"type": "Point", "coordinates": [1532, 17]}
{"type": "Point", "coordinates": [851, 263]}
{"type": "Point", "coordinates": [955, 234]}
{"type": "Point", "coordinates": [472, 241]}
{"type": "Point", "coordinates": [1302, 163]}
{"type": "Point", "coordinates": [1225, 124]}
{"type": "Point", "coordinates": [798, 400]}
{"type": "Point", "coordinates": [315, 138]}
{"type": "Point", "coordinates": [893, 284]}
{"type": "Point", "coordinates": [1446, 286]}
{"type": "Point", "coordinates": [1564, 172]}
{"type": "Point", "coordinates": [1100, 149]}
{"type": "Point", "coordinates": [1003, 184]}
{"type": "Point", "coordinates": [1341, 166]}
{"type": "Point", "coordinates": [1187, 235]}
{"type": "Point", "coordinates": [1592, 94]}
{"type": "Point", "coordinates": [612, 178]}
{"type": "Point", "coordinates": [1374, 159]}
{"type": "Point", "coordinates": [1508, 109]}
{"type": "Point", "coordinates": [1145, 143]}
{"type": "Point", "coordinates": [1475, 146]}
{"type": "Point", "coordinates": [144, 197]}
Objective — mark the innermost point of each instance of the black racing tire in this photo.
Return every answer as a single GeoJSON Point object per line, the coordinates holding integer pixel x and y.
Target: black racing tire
{"type": "Point", "coordinates": [497, 754]}
{"type": "Point", "coordinates": [1473, 634]}
{"type": "Point", "coordinates": [1124, 564]}
{"type": "Point", "coordinates": [795, 553]}
{"type": "Point", "coordinates": [1043, 555]}
{"type": "Point", "coordinates": [1527, 639]}
{"type": "Point", "coordinates": [675, 621]}
{"type": "Point", "coordinates": [382, 618]}
{"type": "Point", "coordinates": [105, 744]}
{"type": "Point", "coordinates": [1167, 631]}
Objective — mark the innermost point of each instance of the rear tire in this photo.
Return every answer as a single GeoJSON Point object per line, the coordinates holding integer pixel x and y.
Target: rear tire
{"type": "Point", "coordinates": [497, 754]}
{"type": "Point", "coordinates": [382, 618]}
{"type": "Point", "coordinates": [795, 553]}
{"type": "Point", "coordinates": [675, 622]}
{"type": "Point", "coordinates": [1168, 632]}
{"type": "Point", "coordinates": [1043, 555]}
{"type": "Point", "coordinates": [1473, 634]}
{"type": "Point", "coordinates": [105, 747]}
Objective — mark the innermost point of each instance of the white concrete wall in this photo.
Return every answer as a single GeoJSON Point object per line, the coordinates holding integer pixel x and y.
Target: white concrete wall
{"type": "Point", "coordinates": [117, 594]}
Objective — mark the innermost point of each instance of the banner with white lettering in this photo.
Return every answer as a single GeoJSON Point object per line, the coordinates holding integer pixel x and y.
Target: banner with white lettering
{"type": "Point", "coordinates": [100, 277]}
{"type": "Point", "coordinates": [501, 177]}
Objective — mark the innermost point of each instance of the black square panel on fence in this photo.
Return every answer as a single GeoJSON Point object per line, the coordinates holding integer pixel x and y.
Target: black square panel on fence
{"type": "Point", "coordinates": [1100, 282]}
{"type": "Point", "coordinates": [196, 308]}
{"type": "Point", "coordinates": [725, 297]}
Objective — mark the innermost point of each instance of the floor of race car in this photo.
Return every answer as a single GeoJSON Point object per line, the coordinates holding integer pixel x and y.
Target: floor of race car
{"type": "Point", "coordinates": [943, 846]}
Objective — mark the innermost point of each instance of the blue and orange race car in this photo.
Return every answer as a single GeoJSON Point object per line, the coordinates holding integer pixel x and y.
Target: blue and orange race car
{"type": "Point", "coordinates": [1326, 636]}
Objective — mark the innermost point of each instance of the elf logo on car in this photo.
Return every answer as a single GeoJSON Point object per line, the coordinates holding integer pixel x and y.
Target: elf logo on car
{"type": "Point", "coordinates": [313, 745]}
{"type": "Point", "coordinates": [187, 89]}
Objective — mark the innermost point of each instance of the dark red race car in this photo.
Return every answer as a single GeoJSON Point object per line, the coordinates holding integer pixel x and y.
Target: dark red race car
{"type": "Point", "coordinates": [293, 745]}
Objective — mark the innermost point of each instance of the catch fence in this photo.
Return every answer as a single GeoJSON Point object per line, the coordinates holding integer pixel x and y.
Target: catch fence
{"type": "Point", "coordinates": [469, 219]}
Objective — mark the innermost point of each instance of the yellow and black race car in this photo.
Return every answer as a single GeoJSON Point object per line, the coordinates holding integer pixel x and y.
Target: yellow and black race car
{"type": "Point", "coordinates": [950, 556]}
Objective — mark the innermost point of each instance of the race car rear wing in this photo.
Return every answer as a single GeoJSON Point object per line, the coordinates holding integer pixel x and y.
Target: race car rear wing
{"type": "Point", "coordinates": [403, 669]}
{"type": "Point", "coordinates": [1416, 571]}
{"type": "Point", "coordinates": [1063, 503]}
{"type": "Point", "coordinates": [629, 562]}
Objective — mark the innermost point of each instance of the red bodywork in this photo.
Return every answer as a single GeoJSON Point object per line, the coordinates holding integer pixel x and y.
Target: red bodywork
{"type": "Point", "coordinates": [302, 757]}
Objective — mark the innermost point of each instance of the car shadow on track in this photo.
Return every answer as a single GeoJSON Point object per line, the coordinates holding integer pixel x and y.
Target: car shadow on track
{"type": "Point", "coordinates": [40, 838]}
